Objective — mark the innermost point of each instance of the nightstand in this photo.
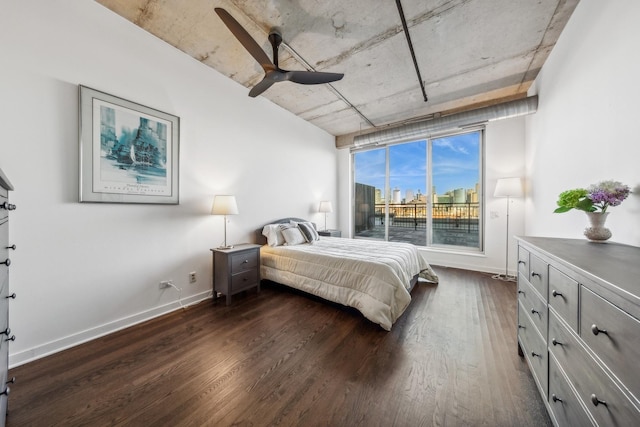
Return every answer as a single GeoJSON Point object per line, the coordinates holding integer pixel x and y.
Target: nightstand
{"type": "Point", "coordinates": [330, 233]}
{"type": "Point", "coordinates": [236, 270]}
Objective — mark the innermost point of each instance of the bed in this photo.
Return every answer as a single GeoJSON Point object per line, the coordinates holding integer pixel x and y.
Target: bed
{"type": "Point", "coordinates": [374, 277]}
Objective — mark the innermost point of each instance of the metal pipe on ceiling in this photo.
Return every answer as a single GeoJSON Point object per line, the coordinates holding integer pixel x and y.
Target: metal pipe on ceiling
{"type": "Point", "coordinates": [453, 122]}
{"type": "Point", "coordinates": [413, 54]}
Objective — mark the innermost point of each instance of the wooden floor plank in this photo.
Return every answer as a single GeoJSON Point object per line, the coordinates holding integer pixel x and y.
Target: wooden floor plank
{"type": "Point", "coordinates": [281, 357]}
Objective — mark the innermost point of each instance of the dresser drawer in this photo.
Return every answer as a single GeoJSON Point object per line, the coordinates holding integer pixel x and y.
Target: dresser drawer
{"type": "Point", "coordinates": [245, 260]}
{"type": "Point", "coordinates": [589, 380]}
{"type": "Point", "coordinates": [619, 347]}
{"type": "Point", "coordinates": [523, 261]}
{"type": "Point", "coordinates": [534, 305]}
{"type": "Point", "coordinates": [564, 404]}
{"type": "Point", "coordinates": [244, 280]}
{"type": "Point", "coordinates": [534, 349]}
{"type": "Point", "coordinates": [539, 275]}
{"type": "Point", "coordinates": [563, 296]}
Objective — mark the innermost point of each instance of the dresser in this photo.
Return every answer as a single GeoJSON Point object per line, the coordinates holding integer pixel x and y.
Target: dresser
{"type": "Point", "coordinates": [5, 261]}
{"type": "Point", "coordinates": [235, 270]}
{"type": "Point", "coordinates": [579, 328]}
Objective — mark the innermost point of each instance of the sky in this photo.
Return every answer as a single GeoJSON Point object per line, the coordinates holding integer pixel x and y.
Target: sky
{"type": "Point", "coordinates": [456, 162]}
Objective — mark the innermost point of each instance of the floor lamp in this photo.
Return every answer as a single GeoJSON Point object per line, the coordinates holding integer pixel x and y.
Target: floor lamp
{"type": "Point", "coordinates": [224, 205]}
{"type": "Point", "coordinates": [507, 187]}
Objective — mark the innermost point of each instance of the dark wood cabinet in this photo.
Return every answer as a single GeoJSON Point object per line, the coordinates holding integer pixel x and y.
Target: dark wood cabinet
{"type": "Point", "coordinates": [579, 328]}
{"type": "Point", "coordinates": [330, 233]}
{"type": "Point", "coordinates": [5, 297]}
{"type": "Point", "coordinates": [236, 270]}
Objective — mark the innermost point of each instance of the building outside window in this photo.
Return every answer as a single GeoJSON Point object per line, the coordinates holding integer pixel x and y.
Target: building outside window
{"type": "Point", "coordinates": [427, 192]}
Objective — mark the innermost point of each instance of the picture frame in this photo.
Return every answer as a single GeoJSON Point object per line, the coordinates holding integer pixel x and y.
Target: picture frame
{"type": "Point", "coordinates": [129, 153]}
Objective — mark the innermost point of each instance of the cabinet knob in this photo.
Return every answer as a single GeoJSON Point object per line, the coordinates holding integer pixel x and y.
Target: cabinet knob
{"type": "Point", "coordinates": [12, 247]}
{"type": "Point", "coordinates": [534, 354]}
{"type": "Point", "coordinates": [6, 262]}
{"type": "Point", "coordinates": [521, 292]}
{"type": "Point", "coordinates": [6, 332]}
{"type": "Point", "coordinates": [534, 311]}
{"type": "Point", "coordinates": [596, 330]}
{"type": "Point", "coordinates": [12, 338]}
{"type": "Point", "coordinates": [6, 391]}
{"type": "Point", "coordinates": [556, 293]}
{"type": "Point", "coordinates": [534, 274]}
{"type": "Point", "coordinates": [555, 398]}
{"type": "Point", "coordinates": [8, 206]}
{"type": "Point", "coordinates": [12, 380]}
{"type": "Point", "coordinates": [556, 342]}
{"type": "Point", "coordinates": [246, 261]}
{"type": "Point", "coordinates": [596, 401]}
{"type": "Point", "coordinates": [12, 296]}
{"type": "Point", "coordinates": [521, 327]}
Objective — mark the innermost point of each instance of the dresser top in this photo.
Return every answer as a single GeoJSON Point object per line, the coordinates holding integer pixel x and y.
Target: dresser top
{"type": "Point", "coordinates": [4, 181]}
{"type": "Point", "coordinates": [613, 266]}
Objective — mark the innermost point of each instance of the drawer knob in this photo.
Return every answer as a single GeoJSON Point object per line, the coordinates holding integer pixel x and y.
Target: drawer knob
{"type": "Point", "coordinates": [596, 401]}
{"type": "Point", "coordinates": [534, 274]}
{"type": "Point", "coordinates": [534, 354]}
{"type": "Point", "coordinates": [6, 332]}
{"type": "Point", "coordinates": [521, 292]}
{"type": "Point", "coordinates": [12, 338]}
{"type": "Point", "coordinates": [12, 296]}
{"type": "Point", "coordinates": [521, 327]}
{"type": "Point", "coordinates": [534, 311]}
{"type": "Point", "coordinates": [6, 391]}
{"type": "Point", "coordinates": [12, 247]}
{"type": "Point", "coordinates": [8, 206]}
{"type": "Point", "coordinates": [556, 293]}
{"type": "Point", "coordinates": [596, 330]}
{"type": "Point", "coordinates": [6, 262]}
{"type": "Point", "coordinates": [12, 380]}
{"type": "Point", "coordinates": [555, 398]}
{"type": "Point", "coordinates": [556, 342]}
{"type": "Point", "coordinates": [246, 261]}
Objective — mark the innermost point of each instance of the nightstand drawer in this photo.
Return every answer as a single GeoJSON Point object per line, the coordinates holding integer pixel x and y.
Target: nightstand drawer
{"type": "Point", "coordinates": [246, 279]}
{"type": "Point", "coordinates": [563, 297]}
{"type": "Point", "coordinates": [244, 261]}
{"type": "Point", "coordinates": [614, 335]}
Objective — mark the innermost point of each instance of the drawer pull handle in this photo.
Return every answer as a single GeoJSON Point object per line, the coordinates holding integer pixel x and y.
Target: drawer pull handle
{"type": "Point", "coordinates": [246, 261]}
{"type": "Point", "coordinates": [596, 401]}
{"type": "Point", "coordinates": [11, 381]}
{"type": "Point", "coordinates": [534, 354]}
{"type": "Point", "coordinates": [521, 292]}
{"type": "Point", "coordinates": [521, 327]}
{"type": "Point", "coordinates": [596, 330]}
{"type": "Point", "coordinates": [6, 332]}
{"type": "Point", "coordinates": [534, 311]}
{"type": "Point", "coordinates": [6, 262]}
{"type": "Point", "coordinates": [13, 338]}
{"type": "Point", "coordinates": [8, 206]}
{"type": "Point", "coordinates": [12, 247]}
{"type": "Point", "coordinates": [555, 398]}
{"type": "Point", "coordinates": [6, 391]}
{"type": "Point", "coordinates": [12, 296]}
{"type": "Point", "coordinates": [556, 342]}
{"type": "Point", "coordinates": [556, 293]}
{"type": "Point", "coordinates": [534, 274]}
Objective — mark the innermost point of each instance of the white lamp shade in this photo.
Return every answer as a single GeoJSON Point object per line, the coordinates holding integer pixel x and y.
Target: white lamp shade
{"type": "Point", "coordinates": [325, 207]}
{"type": "Point", "coordinates": [224, 205]}
{"type": "Point", "coordinates": [508, 187]}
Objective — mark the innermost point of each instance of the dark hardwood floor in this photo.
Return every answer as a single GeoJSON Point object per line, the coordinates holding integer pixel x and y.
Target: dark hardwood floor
{"type": "Point", "coordinates": [283, 358]}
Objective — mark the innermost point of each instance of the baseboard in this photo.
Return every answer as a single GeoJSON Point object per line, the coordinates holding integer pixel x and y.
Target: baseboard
{"type": "Point", "coordinates": [64, 343]}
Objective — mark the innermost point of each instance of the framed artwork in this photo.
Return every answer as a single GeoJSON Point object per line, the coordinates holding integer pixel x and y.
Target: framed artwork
{"type": "Point", "coordinates": [129, 153]}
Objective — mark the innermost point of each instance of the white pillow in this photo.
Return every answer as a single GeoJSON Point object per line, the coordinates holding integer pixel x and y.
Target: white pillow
{"type": "Point", "coordinates": [273, 233]}
{"type": "Point", "coordinates": [293, 236]}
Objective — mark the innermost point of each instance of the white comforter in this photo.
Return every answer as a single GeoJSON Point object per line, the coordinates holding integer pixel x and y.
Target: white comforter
{"type": "Point", "coordinates": [371, 276]}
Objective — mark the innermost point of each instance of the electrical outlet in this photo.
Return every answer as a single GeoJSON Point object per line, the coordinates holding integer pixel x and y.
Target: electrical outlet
{"type": "Point", "coordinates": [192, 277]}
{"type": "Point", "coordinates": [166, 284]}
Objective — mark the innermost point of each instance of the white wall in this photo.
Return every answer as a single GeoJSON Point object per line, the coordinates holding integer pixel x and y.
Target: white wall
{"type": "Point", "coordinates": [586, 128]}
{"type": "Point", "coordinates": [504, 157]}
{"type": "Point", "coordinates": [82, 270]}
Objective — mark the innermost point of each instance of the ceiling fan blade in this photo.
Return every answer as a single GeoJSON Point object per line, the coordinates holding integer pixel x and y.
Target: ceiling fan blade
{"type": "Point", "coordinates": [312, 77]}
{"type": "Point", "coordinates": [245, 39]}
{"type": "Point", "coordinates": [264, 84]}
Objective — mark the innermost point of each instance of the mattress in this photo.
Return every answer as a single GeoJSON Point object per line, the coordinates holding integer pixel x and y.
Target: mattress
{"type": "Point", "coordinates": [372, 276]}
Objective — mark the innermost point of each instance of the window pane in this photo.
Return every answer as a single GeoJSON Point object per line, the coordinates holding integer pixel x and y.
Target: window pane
{"type": "Point", "coordinates": [456, 177]}
{"type": "Point", "coordinates": [408, 202]}
{"type": "Point", "coordinates": [369, 178]}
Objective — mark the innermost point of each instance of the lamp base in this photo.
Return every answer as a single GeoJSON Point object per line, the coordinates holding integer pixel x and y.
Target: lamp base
{"type": "Point", "coordinates": [225, 247]}
{"type": "Point", "coordinates": [505, 277]}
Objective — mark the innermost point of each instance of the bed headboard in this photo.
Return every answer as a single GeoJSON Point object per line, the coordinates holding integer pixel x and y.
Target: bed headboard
{"type": "Point", "coordinates": [261, 240]}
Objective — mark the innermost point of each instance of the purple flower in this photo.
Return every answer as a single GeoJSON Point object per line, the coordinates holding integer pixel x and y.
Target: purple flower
{"type": "Point", "coordinates": [607, 193]}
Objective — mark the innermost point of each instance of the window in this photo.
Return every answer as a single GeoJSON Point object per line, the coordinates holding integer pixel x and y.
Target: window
{"type": "Point", "coordinates": [426, 192]}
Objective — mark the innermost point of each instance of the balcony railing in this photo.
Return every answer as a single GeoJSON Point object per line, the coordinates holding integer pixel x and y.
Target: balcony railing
{"type": "Point", "coordinates": [444, 216]}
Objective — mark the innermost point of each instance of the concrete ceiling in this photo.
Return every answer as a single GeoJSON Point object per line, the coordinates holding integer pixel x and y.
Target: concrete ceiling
{"type": "Point", "coordinates": [470, 53]}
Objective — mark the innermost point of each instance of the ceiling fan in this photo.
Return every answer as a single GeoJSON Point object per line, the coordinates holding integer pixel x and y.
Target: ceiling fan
{"type": "Point", "coordinates": [273, 73]}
